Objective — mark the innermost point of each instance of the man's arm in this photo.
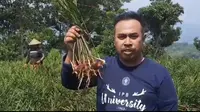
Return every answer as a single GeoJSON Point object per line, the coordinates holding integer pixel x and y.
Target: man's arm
{"type": "Point", "coordinates": [69, 80]}
{"type": "Point", "coordinates": [168, 100]}
{"type": "Point", "coordinates": [42, 55]}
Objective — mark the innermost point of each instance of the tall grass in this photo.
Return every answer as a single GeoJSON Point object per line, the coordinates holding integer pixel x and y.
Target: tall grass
{"type": "Point", "coordinates": [186, 76]}
{"type": "Point", "coordinates": [25, 89]}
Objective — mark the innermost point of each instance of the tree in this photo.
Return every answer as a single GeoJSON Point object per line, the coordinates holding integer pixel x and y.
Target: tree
{"type": "Point", "coordinates": [19, 18]}
{"type": "Point", "coordinates": [25, 15]}
{"type": "Point", "coordinates": [161, 16]}
{"type": "Point", "coordinates": [197, 43]}
{"type": "Point", "coordinates": [92, 13]}
{"type": "Point", "coordinates": [106, 47]}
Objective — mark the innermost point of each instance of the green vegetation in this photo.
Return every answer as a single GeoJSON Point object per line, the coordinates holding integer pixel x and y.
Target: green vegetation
{"type": "Point", "coordinates": [183, 50]}
{"type": "Point", "coordinates": [26, 89]}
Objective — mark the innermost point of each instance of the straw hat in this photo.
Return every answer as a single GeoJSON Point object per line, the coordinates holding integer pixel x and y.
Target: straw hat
{"type": "Point", "coordinates": [34, 42]}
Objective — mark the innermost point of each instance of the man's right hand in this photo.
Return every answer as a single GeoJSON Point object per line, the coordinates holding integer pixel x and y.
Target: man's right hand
{"type": "Point", "coordinates": [70, 38]}
{"type": "Point", "coordinates": [72, 34]}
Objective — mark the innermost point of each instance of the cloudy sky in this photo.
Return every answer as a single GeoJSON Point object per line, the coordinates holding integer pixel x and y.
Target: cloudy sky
{"type": "Point", "coordinates": [191, 17]}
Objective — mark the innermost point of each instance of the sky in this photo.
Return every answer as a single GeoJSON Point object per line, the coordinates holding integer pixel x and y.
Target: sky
{"type": "Point", "coordinates": [190, 26]}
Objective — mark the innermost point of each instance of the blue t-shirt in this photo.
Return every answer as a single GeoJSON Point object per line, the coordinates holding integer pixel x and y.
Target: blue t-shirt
{"type": "Point", "coordinates": [145, 87]}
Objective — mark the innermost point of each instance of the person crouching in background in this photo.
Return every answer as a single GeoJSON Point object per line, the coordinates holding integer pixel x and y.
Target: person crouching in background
{"type": "Point", "coordinates": [35, 54]}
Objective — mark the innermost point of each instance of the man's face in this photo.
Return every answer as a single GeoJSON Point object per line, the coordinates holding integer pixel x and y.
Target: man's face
{"type": "Point", "coordinates": [128, 38]}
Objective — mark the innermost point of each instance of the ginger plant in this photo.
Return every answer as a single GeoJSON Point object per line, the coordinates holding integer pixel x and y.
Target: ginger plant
{"type": "Point", "coordinates": [84, 63]}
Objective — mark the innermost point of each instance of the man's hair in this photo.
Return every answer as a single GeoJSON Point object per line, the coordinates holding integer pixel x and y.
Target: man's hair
{"type": "Point", "coordinates": [130, 15]}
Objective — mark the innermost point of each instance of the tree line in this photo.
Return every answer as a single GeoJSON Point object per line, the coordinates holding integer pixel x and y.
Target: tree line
{"type": "Point", "coordinates": [45, 20]}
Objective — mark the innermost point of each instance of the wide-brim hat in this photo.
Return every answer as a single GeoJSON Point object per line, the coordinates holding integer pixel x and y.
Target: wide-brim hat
{"type": "Point", "coordinates": [34, 42]}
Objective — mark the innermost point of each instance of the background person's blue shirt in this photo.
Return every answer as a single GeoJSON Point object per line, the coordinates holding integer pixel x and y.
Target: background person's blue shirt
{"type": "Point", "coordinates": [146, 87]}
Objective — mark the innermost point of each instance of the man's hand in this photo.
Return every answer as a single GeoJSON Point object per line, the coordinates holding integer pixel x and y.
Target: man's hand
{"type": "Point", "coordinates": [71, 36]}
{"type": "Point", "coordinates": [39, 61]}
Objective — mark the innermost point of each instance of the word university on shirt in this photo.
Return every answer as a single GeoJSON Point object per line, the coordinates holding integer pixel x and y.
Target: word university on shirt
{"type": "Point", "coordinates": [122, 103]}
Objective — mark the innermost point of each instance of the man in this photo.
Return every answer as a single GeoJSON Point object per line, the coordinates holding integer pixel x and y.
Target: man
{"type": "Point", "coordinates": [130, 82]}
{"type": "Point", "coordinates": [35, 54]}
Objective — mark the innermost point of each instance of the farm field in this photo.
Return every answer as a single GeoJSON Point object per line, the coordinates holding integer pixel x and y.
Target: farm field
{"type": "Point", "coordinates": [22, 89]}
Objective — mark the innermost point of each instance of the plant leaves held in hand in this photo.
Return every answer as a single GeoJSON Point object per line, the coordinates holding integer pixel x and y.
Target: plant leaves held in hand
{"type": "Point", "coordinates": [84, 63]}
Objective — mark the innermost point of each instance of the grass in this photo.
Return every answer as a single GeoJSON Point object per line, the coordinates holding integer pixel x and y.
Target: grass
{"type": "Point", "coordinates": [186, 76]}
{"type": "Point", "coordinates": [27, 90]}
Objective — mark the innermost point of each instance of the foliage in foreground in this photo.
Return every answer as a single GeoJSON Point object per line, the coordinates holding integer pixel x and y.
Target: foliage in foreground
{"type": "Point", "coordinates": [25, 89]}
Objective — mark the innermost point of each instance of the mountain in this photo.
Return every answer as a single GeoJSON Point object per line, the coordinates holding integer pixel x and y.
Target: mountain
{"type": "Point", "coordinates": [183, 50]}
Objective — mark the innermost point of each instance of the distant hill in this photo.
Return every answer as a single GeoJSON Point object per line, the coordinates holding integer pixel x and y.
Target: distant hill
{"type": "Point", "coordinates": [183, 49]}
